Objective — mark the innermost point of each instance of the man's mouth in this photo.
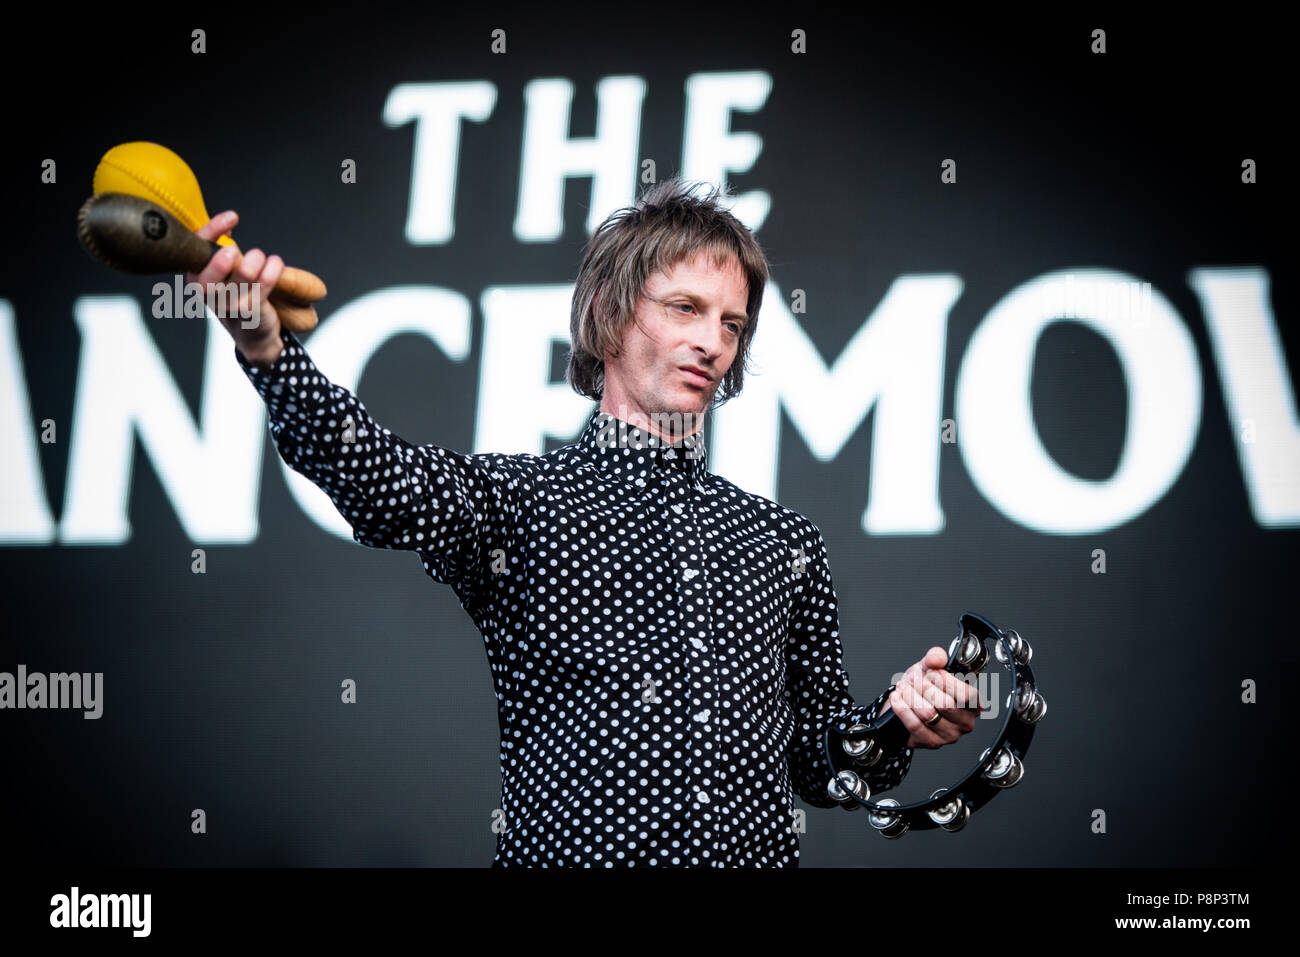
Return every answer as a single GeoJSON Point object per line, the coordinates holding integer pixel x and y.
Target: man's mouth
{"type": "Point", "coordinates": [695, 376]}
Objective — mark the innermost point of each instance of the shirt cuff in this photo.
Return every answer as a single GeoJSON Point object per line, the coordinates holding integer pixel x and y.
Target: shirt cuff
{"type": "Point", "coordinates": [270, 382]}
{"type": "Point", "coordinates": [866, 713]}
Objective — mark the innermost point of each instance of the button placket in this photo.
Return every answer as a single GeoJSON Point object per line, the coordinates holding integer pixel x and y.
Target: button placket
{"type": "Point", "coordinates": [697, 651]}
{"type": "Point", "coordinates": [677, 715]}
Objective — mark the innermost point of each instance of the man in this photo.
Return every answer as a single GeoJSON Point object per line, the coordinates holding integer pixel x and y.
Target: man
{"type": "Point", "coordinates": [664, 646]}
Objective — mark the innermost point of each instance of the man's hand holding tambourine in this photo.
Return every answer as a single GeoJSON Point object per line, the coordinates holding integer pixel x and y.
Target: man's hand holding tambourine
{"type": "Point", "coordinates": [935, 705]}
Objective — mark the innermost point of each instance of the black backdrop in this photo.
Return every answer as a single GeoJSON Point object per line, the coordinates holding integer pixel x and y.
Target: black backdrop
{"type": "Point", "coordinates": [221, 691]}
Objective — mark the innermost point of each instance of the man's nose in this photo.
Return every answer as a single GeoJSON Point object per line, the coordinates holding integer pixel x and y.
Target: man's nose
{"type": "Point", "coordinates": [707, 338]}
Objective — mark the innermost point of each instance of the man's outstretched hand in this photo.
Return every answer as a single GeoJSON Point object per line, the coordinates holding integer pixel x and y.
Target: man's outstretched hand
{"type": "Point", "coordinates": [927, 689]}
{"type": "Point", "coordinates": [257, 338]}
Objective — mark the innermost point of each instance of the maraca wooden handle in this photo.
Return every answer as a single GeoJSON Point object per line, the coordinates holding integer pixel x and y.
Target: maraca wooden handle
{"type": "Point", "coordinates": [136, 236]}
{"type": "Point", "coordinates": [293, 316]}
{"type": "Point", "coordinates": [300, 284]}
{"type": "Point", "coordinates": [294, 287]}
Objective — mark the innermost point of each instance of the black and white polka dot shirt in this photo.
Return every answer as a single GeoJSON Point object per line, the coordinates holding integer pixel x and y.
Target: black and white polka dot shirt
{"type": "Point", "coordinates": [664, 646]}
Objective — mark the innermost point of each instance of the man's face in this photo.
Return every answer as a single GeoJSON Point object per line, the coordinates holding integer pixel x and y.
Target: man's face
{"type": "Point", "coordinates": [690, 317]}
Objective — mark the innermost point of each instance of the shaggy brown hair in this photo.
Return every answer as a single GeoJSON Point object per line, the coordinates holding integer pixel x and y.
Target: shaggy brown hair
{"type": "Point", "coordinates": [667, 225]}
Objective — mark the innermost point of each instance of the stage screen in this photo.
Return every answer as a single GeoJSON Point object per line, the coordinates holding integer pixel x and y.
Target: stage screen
{"type": "Point", "coordinates": [1028, 350]}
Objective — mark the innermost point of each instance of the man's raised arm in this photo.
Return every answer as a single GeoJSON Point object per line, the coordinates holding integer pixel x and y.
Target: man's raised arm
{"type": "Point", "coordinates": [393, 494]}
{"type": "Point", "coordinates": [442, 504]}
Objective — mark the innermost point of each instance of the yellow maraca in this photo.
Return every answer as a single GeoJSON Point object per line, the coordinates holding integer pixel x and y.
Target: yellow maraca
{"type": "Point", "coordinates": [153, 172]}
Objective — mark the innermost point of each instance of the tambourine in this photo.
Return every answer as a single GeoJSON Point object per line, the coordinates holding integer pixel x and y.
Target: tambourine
{"type": "Point", "coordinates": [856, 749]}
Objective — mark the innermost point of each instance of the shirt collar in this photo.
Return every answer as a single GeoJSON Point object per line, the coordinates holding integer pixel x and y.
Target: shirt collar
{"type": "Point", "coordinates": [639, 457]}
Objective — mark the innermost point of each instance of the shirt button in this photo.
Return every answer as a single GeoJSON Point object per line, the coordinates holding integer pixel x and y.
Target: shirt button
{"type": "Point", "coordinates": [702, 797]}
{"type": "Point", "coordinates": [703, 716]}
{"type": "Point", "coordinates": [697, 643]}
{"type": "Point", "coordinates": [689, 573]}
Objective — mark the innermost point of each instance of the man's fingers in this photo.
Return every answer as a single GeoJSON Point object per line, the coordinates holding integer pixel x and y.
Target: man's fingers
{"type": "Point", "coordinates": [937, 696]}
{"type": "Point", "coordinates": [905, 701]}
{"type": "Point", "coordinates": [254, 304]}
{"type": "Point", "coordinates": [251, 267]}
{"type": "Point", "coordinates": [261, 315]}
{"type": "Point", "coordinates": [270, 274]}
{"type": "Point", "coordinates": [913, 675]}
{"type": "Point", "coordinates": [936, 657]}
{"type": "Point", "coordinates": [927, 689]}
{"type": "Point", "coordinates": [955, 701]}
{"type": "Point", "coordinates": [217, 270]}
{"type": "Point", "coordinates": [218, 225]}
{"type": "Point", "coordinates": [956, 692]}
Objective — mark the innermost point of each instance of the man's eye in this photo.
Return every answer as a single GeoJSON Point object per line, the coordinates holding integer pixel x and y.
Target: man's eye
{"type": "Point", "coordinates": [735, 327]}
{"type": "Point", "coordinates": [684, 305]}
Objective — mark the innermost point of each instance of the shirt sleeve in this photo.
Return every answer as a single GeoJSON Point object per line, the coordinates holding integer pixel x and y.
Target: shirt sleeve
{"type": "Point", "coordinates": [818, 688]}
{"type": "Point", "coordinates": [439, 503]}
